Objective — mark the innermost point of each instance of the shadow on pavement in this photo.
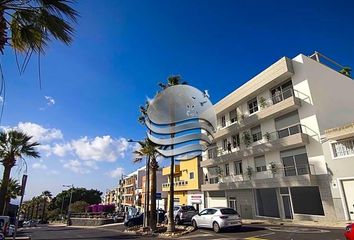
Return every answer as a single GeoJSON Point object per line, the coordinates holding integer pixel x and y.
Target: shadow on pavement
{"type": "Point", "coordinates": [244, 229]}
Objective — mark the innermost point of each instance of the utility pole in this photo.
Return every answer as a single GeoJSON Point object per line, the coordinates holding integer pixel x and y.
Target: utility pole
{"type": "Point", "coordinates": [69, 208]}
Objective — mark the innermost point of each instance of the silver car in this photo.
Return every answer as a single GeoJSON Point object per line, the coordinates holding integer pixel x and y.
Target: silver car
{"type": "Point", "coordinates": [217, 218]}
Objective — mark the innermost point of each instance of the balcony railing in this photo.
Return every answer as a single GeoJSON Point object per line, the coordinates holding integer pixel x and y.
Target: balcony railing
{"type": "Point", "coordinates": [267, 137]}
{"type": "Point", "coordinates": [275, 172]}
{"type": "Point", "coordinates": [176, 184]}
{"type": "Point", "coordinates": [263, 103]}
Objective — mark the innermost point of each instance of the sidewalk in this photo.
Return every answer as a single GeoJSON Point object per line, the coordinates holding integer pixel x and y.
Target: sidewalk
{"type": "Point", "coordinates": [337, 224]}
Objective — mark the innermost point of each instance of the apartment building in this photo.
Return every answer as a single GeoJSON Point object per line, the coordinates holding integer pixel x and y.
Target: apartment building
{"type": "Point", "coordinates": [267, 159]}
{"type": "Point", "coordinates": [111, 197]}
{"type": "Point", "coordinates": [187, 182]}
{"type": "Point", "coordinates": [160, 179]}
{"type": "Point", "coordinates": [339, 152]}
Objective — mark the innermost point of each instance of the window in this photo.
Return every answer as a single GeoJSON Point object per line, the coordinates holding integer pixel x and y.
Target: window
{"type": "Point", "coordinates": [233, 116]}
{"type": "Point", "coordinates": [267, 202]}
{"type": "Point", "coordinates": [256, 133]}
{"type": "Point", "coordinates": [306, 200]}
{"type": "Point", "coordinates": [238, 168]}
{"type": "Point", "coordinates": [223, 121]}
{"type": "Point", "coordinates": [191, 175]}
{"type": "Point", "coordinates": [295, 162]}
{"type": "Point", "coordinates": [260, 164]}
{"type": "Point", "coordinates": [343, 147]}
{"type": "Point", "coordinates": [288, 124]}
{"type": "Point", "coordinates": [282, 92]}
{"type": "Point", "coordinates": [232, 203]}
{"type": "Point", "coordinates": [227, 169]}
{"type": "Point", "coordinates": [204, 212]}
{"type": "Point", "coordinates": [212, 152]}
{"type": "Point", "coordinates": [224, 144]}
{"type": "Point", "coordinates": [253, 105]}
{"type": "Point", "coordinates": [228, 211]}
{"type": "Point", "coordinates": [235, 140]}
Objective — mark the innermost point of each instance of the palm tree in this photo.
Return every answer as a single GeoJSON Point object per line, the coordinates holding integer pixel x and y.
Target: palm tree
{"type": "Point", "coordinates": [46, 195]}
{"type": "Point", "coordinates": [14, 145]}
{"type": "Point", "coordinates": [28, 26]}
{"type": "Point", "coordinates": [13, 191]}
{"type": "Point", "coordinates": [148, 149]}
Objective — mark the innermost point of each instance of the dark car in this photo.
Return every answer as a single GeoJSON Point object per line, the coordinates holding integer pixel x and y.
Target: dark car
{"type": "Point", "coordinates": [349, 232]}
{"type": "Point", "coordinates": [139, 219]}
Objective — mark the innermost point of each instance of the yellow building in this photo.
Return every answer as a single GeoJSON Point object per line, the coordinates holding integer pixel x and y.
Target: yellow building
{"type": "Point", "coordinates": [187, 180]}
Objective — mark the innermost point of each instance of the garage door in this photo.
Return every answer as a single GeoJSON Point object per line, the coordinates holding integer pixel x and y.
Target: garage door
{"type": "Point", "coordinates": [348, 188]}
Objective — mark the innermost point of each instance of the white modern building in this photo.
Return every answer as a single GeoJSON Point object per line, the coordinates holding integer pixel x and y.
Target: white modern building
{"type": "Point", "coordinates": [269, 158]}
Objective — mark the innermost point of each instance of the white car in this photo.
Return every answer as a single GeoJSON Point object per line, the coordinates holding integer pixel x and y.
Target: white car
{"type": "Point", "coordinates": [217, 218]}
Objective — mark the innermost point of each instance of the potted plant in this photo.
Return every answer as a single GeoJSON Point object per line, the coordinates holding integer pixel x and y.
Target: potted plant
{"type": "Point", "coordinates": [262, 102]}
{"type": "Point", "coordinates": [246, 138]}
{"type": "Point", "coordinates": [273, 168]}
{"type": "Point", "coordinates": [267, 136]}
{"type": "Point", "coordinates": [249, 172]}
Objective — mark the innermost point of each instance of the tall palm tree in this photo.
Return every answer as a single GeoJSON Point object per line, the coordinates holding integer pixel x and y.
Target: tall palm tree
{"type": "Point", "coordinates": [13, 191]}
{"type": "Point", "coordinates": [14, 145]}
{"type": "Point", "coordinates": [46, 195]}
{"type": "Point", "coordinates": [148, 149]}
{"type": "Point", "coordinates": [28, 26]}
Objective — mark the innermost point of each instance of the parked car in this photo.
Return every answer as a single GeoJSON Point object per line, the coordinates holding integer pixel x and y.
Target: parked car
{"type": "Point", "coordinates": [30, 223]}
{"type": "Point", "coordinates": [182, 214]}
{"type": "Point", "coordinates": [349, 232]}
{"type": "Point", "coordinates": [4, 224]}
{"type": "Point", "coordinates": [139, 219]}
{"type": "Point", "coordinates": [217, 219]}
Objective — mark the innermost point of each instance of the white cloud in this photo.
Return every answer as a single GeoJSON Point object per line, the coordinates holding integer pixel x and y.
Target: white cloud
{"type": "Point", "coordinates": [40, 133]}
{"type": "Point", "coordinates": [116, 172]}
{"type": "Point", "coordinates": [53, 172]}
{"type": "Point", "coordinates": [45, 149]}
{"type": "Point", "coordinates": [62, 150]}
{"type": "Point", "coordinates": [39, 165]}
{"type": "Point", "coordinates": [50, 100]}
{"type": "Point", "coordinates": [103, 148]}
{"type": "Point", "coordinates": [76, 166]}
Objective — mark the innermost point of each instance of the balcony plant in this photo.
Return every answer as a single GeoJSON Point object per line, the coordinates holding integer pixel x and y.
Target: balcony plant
{"type": "Point", "coordinates": [249, 172]}
{"type": "Point", "coordinates": [273, 168]}
{"type": "Point", "coordinates": [262, 102]}
{"type": "Point", "coordinates": [267, 136]}
{"type": "Point", "coordinates": [246, 138]}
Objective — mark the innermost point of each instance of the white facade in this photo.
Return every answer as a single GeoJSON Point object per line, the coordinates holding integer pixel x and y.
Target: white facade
{"type": "Point", "coordinates": [268, 145]}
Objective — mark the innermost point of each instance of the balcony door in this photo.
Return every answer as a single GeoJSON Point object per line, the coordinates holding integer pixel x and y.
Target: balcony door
{"type": "Point", "coordinates": [295, 162]}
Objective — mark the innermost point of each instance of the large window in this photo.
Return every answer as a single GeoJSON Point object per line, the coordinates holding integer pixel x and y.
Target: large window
{"type": "Point", "coordinates": [253, 105]}
{"type": "Point", "coordinates": [235, 140]}
{"type": "Point", "coordinates": [212, 153]}
{"type": "Point", "coordinates": [256, 133]}
{"type": "Point", "coordinates": [343, 147]}
{"type": "Point", "coordinates": [233, 116]}
{"type": "Point", "coordinates": [260, 164]}
{"type": "Point", "coordinates": [288, 124]}
{"type": "Point", "coordinates": [267, 202]}
{"type": "Point", "coordinates": [238, 168]}
{"type": "Point", "coordinates": [224, 144]}
{"type": "Point", "coordinates": [223, 121]}
{"type": "Point", "coordinates": [295, 162]}
{"type": "Point", "coordinates": [306, 200]}
{"type": "Point", "coordinates": [282, 92]}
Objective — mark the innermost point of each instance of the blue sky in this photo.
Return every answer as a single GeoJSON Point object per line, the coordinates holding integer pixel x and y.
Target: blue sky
{"type": "Point", "coordinates": [122, 49]}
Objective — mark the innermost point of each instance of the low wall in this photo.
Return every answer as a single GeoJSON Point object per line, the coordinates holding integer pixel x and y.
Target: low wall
{"type": "Point", "coordinates": [90, 221]}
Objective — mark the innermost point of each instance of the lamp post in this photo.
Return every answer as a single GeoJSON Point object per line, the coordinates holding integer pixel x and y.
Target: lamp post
{"type": "Point", "coordinates": [71, 187]}
{"type": "Point", "coordinates": [147, 188]}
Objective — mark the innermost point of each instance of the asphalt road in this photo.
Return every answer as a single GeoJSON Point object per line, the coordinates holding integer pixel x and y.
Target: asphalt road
{"type": "Point", "coordinates": [249, 232]}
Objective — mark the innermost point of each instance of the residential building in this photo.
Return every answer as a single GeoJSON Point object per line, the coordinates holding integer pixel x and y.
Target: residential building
{"type": "Point", "coordinates": [339, 152]}
{"type": "Point", "coordinates": [160, 202]}
{"type": "Point", "coordinates": [267, 158]}
{"type": "Point", "coordinates": [110, 197]}
{"type": "Point", "coordinates": [187, 181]}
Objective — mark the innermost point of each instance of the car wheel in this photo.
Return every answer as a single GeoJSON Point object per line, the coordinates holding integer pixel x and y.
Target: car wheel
{"type": "Point", "coordinates": [194, 224]}
{"type": "Point", "coordinates": [216, 227]}
{"type": "Point", "coordinates": [177, 220]}
{"type": "Point", "coordinates": [130, 224]}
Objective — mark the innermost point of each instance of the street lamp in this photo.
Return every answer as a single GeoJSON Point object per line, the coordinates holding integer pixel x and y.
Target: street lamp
{"type": "Point", "coordinates": [147, 187]}
{"type": "Point", "coordinates": [71, 187]}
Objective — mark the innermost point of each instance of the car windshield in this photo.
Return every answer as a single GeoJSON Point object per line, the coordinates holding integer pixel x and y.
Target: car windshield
{"type": "Point", "coordinates": [228, 211]}
{"type": "Point", "coordinates": [188, 208]}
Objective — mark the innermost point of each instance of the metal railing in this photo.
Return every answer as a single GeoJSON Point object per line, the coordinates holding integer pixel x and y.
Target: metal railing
{"type": "Point", "coordinates": [277, 172]}
{"type": "Point", "coordinates": [177, 183]}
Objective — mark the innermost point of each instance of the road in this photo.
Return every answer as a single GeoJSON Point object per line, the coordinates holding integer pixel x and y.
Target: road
{"type": "Point", "coordinates": [249, 232]}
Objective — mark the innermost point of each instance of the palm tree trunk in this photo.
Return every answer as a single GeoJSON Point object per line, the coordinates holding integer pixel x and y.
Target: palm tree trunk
{"type": "Point", "coordinates": [153, 220]}
{"type": "Point", "coordinates": [3, 189]}
{"type": "Point", "coordinates": [171, 220]}
{"type": "Point", "coordinates": [7, 204]}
